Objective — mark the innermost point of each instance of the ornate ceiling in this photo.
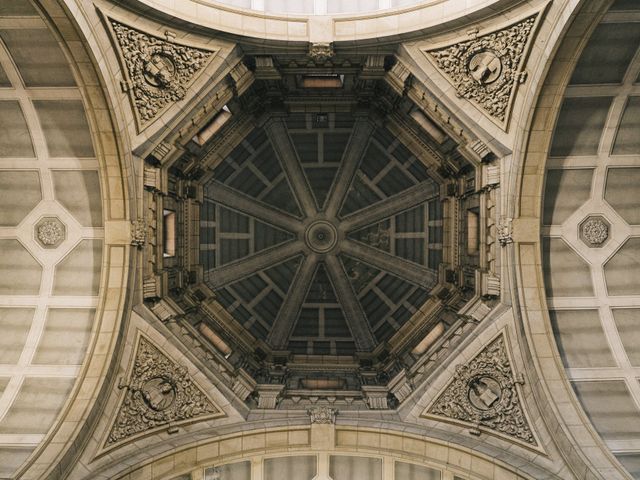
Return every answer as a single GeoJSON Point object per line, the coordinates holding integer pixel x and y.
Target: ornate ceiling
{"type": "Point", "coordinates": [249, 246]}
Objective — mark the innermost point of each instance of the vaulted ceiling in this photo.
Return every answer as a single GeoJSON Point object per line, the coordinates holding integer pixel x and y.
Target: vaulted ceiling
{"type": "Point", "coordinates": [262, 240]}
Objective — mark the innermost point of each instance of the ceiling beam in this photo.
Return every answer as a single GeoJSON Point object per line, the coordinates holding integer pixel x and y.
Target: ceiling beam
{"type": "Point", "coordinates": [409, 271]}
{"type": "Point", "coordinates": [248, 266]}
{"type": "Point", "coordinates": [356, 320]}
{"type": "Point", "coordinates": [406, 200]}
{"type": "Point", "coordinates": [285, 321]}
{"type": "Point", "coordinates": [358, 142]}
{"type": "Point", "coordinates": [286, 152]}
{"type": "Point", "coordinates": [235, 200]}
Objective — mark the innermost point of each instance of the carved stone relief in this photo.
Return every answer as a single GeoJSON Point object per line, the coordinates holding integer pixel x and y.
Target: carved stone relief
{"type": "Point", "coordinates": [322, 415]}
{"type": "Point", "coordinates": [594, 231]}
{"type": "Point", "coordinates": [158, 71]}
{"type": "Point", "coordinates": [159, 392]}
{"type": "Point", "coordinates": [487, 69]}
{"type": "Point", "coordinates": [50, 232]}
{"type": "Point", "coordinates": [321, 52]}
{"type": "Point", "coordinates": [483, 392]}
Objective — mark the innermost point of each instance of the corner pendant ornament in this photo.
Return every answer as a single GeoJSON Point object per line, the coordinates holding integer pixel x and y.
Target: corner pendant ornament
{"type": "Point", "coordinates": [159, 392]}
{"type": "Point", "coordinates": [483, 393]}
{"type": "Point", "coordinates": [158, 72]}
{"type": "Point", "coordinates": [487, 69]}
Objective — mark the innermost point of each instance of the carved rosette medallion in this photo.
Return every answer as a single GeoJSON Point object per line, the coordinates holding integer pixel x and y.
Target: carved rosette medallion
{"type": "Point", "coordinates": [158, 71]}
{"type": "Point", "coordinates": [483, 392]}
{"type": "Point", "coordinates": [159, 392]}
{"type": "Point", "coordinates": [594, 231]}
{"type": "Point", "coordinates": [50, 232]}
{"type": "Point", "coordinates": [487, 69]}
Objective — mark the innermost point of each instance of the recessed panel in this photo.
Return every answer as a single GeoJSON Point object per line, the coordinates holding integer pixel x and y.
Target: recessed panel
{"type": "Point", "coordinates": [65, 128]}
{"type": "Point", "coordinates": [300, 468]}
{"type": "Point", "coordinates": [18, 8]}
{"type": "Point", "coordinates": [581, 339]}
{"type": "Point", "coordinates": [606, 57]}
{"type": "Point", "coordinates": [565, 192]}
{"type": "Point", "coordinates": [628, 324]}
{"type": "Point", "coordinates": [343, 467]}
{"type": "Point", "coordinates": [231, 471]}
{"type": "Point", "coordinates": [409, 471]}
{"type": "Point", "coordinates": [37, 405]}
{"type": "Point", "coordinates": [19, 194]}
{"type": "Point", "coordinates": [79, 192]}
{"type": "Point", "coordinates": [580, 126]}
{"type": "Point", "coordinates": [622, 191]}
{"type": "Point", "coordinates": [15, 140]}
{"type": "Point", "coordinates": [566, 274]}
{"type": "Point", "coordinates": [11, 458]}
{"type": "Point", "coordinates": [79, 272]}
{"type": "Point", "coordinates": [15, 324]}
{"type": "Point", "coordinates": [627, 140]}
{"type": "Point", "coordinates": [20, 273]}
{"type": "Point", "coordinates": [621, 271]}
{"type": "Point", "coordinates": [610, 408]}
{"type": "Point", "coordinates": [38, 56]}
{"type": "Point", "coordinates": [65, 337]}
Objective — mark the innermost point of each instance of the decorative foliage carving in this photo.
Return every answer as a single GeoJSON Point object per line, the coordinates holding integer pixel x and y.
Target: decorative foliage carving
{"type": "Point", "coordinates": [138, 233]}
{"type": "Point", "coordinates": [594, 231]}
{"type": "Point", "coordinates": [486, 69]}
{"type": "Point", "coordinates": [159, 392]}
{"type": "Point", "coordinates": [321, 52]}
{"type": "Point", "coordinates": [323, 415]}
{"type": "Point", "coordinates": [50, 232]}
{"type": "Point", "coordinates": [159, 71]}
{"type": "Point", "coordinates": [483, 392]}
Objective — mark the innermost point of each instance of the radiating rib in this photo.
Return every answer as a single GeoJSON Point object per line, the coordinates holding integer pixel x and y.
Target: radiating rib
{"type": "Point", "coordinates": [286, 319]}
{"type": "Point", "coordinates": [399, 267]}
{"type": "Point", "coordinates": [356, 147]}
{"type": "Point", "coordinates": [231, 198]}
{"type": "Point", "coordinates": [362, 335]}
{"type": "Point", "coordinates": [410, 198]}
{"type": "Point", "coordinates": [286, 152]}
{"type": "Point", "coordinates": [231, 272]}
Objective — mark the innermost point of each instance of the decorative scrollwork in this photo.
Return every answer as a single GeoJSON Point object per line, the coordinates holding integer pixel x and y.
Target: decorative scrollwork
{"type": "Point", "coordinates": [159, 392]}
{"type": "Point", "coordinates": [159, 71]}
{"type": "Point", "coordinates": [483, 392]}
{"type": "Point", "coordinates": [486, 69]}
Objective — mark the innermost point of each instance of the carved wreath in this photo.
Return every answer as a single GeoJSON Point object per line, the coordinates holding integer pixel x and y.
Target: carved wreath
{"type": "Point", "coordinates": [505, 47]}
{"type": "Point", "coordinates": [159, 392]}
{"type": "Point", "coordinates": [159, 71]}
{"type": "Point", "coordinates": [502, 411]}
